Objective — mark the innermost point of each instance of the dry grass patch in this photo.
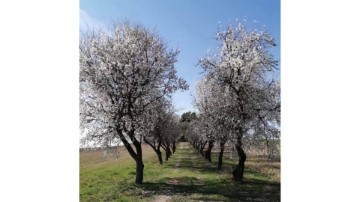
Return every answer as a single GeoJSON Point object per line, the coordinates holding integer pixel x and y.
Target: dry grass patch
{"type": "Point", "coordinates": [262, 164]}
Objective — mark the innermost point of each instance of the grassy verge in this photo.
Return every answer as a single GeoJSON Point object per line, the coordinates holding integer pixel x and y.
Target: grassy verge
{"type": "Point", "coordinates": [185, 177]}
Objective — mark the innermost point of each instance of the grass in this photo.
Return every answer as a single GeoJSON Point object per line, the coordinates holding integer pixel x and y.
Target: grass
{"type": "Point", "coordinates": [263, 165]}
{"type": "Point", "coordinates": [255, 163]}
{"type": "Point", "coordinates": [187, 176]}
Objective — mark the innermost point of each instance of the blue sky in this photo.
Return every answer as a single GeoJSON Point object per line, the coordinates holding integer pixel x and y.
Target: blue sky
{"type": "Point", "coordinates": [186, 24]}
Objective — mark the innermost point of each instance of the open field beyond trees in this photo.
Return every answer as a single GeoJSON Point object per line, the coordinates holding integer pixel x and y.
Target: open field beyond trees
{"type": "Point", "coordinates": [186, 176]}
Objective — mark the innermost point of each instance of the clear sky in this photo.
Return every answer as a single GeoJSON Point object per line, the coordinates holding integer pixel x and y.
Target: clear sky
{"type": "Point", "coordinates": [189, 25]}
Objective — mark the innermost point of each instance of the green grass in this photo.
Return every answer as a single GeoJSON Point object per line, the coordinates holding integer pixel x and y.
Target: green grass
{"type": "Point", "coordinates": [187, 176]}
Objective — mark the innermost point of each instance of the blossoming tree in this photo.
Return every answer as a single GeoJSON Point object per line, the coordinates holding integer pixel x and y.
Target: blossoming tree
{"type": "Point", "coordinates": [123, 72]}
{"type": "Point", "coordinates": [240, 69]}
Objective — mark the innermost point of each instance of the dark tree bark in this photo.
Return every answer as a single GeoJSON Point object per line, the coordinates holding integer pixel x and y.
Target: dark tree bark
{"type": "Point", "coordinates": [158, 153]}
{"type": "Point", "coordinates": [137, 156]}
{"type": "Point", "coordinates": [167, 149]}
{"type": "Point", "coordinates": [139, 171]}
{"type": "Point", "coordinates": [238, 173]}
{"type": "Point", "coordinates": [222, 147]}
{"type": "Point", "coordinates": [139, 162]}
{"type": "Point", "coordinates": [208, 151]}
{"type": "Point", "coordinates": [174, 147]}
{"type": "Point", "coordinates": [156, 149]}
{"type": "Point", "coordinates": [168, 152]}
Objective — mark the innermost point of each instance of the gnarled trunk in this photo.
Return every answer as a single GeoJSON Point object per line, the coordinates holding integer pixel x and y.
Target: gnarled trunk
{"type": "Point", "coordinates": [156, 149]}
{"type": "Point", "coordinates": [158, 153]}
{"type": "Point", "coordinates": [139, 171]}
{"type": "Point", "coordinates": [238, 173]}
{"type": "Point", "coordinates": [174, 147]}
{"type": "Point", "coordinates": [222, 147]}
{"type": "Point", "coordinates": [136, 156]}
{"type": "Point", "coordinates": [139, 162]}
{"type": "Point", "coordinates": [166, 147]}
{"type": "Point", "coordinates": [168, 152]}
{"type": "Point", "coordinates": [208, 151]}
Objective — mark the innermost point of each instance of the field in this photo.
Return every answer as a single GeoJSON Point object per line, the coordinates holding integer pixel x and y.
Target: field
{"type": "Point", "coordinates": [187, 176]}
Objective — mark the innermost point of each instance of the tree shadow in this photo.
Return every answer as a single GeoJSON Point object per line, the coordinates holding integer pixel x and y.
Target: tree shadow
{"type": "Point", "coordinates": [250, 190]}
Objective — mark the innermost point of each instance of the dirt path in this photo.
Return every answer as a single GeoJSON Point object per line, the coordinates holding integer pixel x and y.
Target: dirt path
{"type": "Point", "coordinates": [165, 198]}
{"type": "Point", "coordinates": [161, 198]}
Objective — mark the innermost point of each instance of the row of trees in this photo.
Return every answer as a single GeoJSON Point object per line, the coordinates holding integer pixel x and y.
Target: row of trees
{"type": "Point", "coordinates": [165, 131]}
{"type": "Point", "coordinates": [127, 76]}
{"type": "Point", "coordinates": [237, 99]}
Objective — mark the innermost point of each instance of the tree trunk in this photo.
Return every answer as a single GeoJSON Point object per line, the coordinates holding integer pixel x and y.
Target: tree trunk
{"type": "Point", "coordinates": [222, 147]}
{"type": "Point", "coordinates": [156, 149]}
{"type": "Point", "coordinates": [168, 152]}
{"type": "Point", "coordinates": [174, 147]}
{"type": "Point", "coordinates": [269, 152]}
{"type": "Point", "coordinates": [158, 152]}
{"type": "Point", "coordinates": [208, 151]}
{"type": "Point", "coordinates": [198, 146]}
{"type": "Point", "coordinates": [139, 162]}
{"type": "Point", "coordinates": [136, 156]}
{"type": "Point", "coordinates": [139, 171]}
{"type": "Point", "coordinates": [166, 147]}
{"type": "Point", "coordinates": [238, 173]}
